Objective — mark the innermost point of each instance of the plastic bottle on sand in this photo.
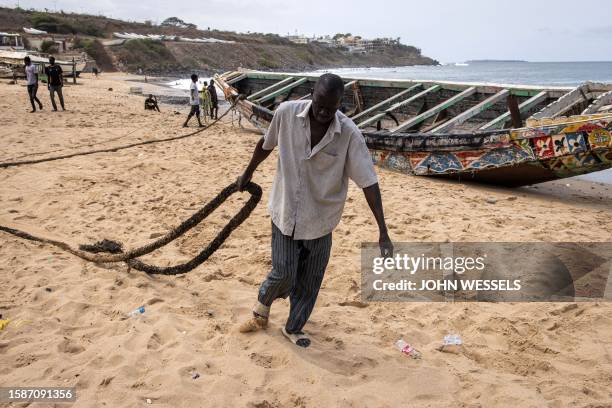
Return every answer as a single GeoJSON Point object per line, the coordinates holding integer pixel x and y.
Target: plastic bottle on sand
{"type": "Point", "coordinates": [407, 349]}
{"type": "Point", "coordinates": [137, 312]}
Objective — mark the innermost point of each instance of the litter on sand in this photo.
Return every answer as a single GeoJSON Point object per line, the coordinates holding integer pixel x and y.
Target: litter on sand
{"type": "Point", "coordinates": [407, 349]}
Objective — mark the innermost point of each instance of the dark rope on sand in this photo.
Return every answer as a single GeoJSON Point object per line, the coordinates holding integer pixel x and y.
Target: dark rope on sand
{"type": "Point", "coordinates": [107, 251]}
{"type": "Point", "coordinates": [115, 149]}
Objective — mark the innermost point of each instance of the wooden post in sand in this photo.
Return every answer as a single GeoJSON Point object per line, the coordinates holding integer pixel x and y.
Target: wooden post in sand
{"type": "Point", "coordinates": [73, 71]}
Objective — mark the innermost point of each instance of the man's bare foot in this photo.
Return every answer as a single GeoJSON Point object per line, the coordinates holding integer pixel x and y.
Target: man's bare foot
{"type": "Point", "coordinates": [255, 323]}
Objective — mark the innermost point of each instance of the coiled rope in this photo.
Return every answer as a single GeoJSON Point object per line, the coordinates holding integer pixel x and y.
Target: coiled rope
{"type": "Point", "coordinates": [107, 251]}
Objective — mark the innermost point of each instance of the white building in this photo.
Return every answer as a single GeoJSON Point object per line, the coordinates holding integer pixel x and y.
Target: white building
{"type": "Point", "coordinates": [11, 41]}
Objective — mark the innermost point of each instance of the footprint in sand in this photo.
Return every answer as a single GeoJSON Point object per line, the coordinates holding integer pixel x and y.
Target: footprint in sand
{"type": "Point", "coordinates": [70, 347]}
{"type": "Point", "coordinates": [268, 361]}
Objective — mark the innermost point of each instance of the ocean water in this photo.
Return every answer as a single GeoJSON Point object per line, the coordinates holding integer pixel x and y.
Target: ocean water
{"type": "Point", "coordinates": [523, 73]}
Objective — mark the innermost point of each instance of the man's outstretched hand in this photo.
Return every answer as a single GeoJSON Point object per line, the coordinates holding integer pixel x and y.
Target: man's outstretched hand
{"type": "Point", "coordinates": [386, 246]}
{"type": "Point", "coordinates": [243, 180]}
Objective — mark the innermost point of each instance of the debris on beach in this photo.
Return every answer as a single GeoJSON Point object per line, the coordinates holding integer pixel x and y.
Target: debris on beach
{"type": "Point", "coordinates": [451, 343]}
{"type": "Point", "coordinates": [4, 323]}
{"type": "Point", "coordinates": [407, 349]}
{"type": "Point", "coordinates": [195, 375]}
{"type": "Point", "coordinates": [137, 312]}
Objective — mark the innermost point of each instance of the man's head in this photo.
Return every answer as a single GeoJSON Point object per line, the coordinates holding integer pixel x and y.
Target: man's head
{"type": "Point", "coordinates": [150, 96]}
{"type": "Point", "coordinates": [205, 83]}
{"type": "Point", "coordinates": [327, 97]}
{"type": "Point", "coordinates": [194, 78]}
{"type": "Point", "coordinates": [27, 61]}
{"type": "Point", "coordinates": [52, 60]}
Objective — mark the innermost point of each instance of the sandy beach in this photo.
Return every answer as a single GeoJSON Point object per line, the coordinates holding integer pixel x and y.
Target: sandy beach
{"type": "Point", "coordinates": [68, 317]}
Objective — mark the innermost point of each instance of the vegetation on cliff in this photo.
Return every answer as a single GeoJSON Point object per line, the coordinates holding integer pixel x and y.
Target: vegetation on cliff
{"type": "Point", "coordinates": [252, 51]}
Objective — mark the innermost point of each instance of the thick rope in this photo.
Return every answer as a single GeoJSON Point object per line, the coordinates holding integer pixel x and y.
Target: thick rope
{"type": "Point", "coordinates": [115, 149]}
{"type": "Point", "coordinates": [107, 251]}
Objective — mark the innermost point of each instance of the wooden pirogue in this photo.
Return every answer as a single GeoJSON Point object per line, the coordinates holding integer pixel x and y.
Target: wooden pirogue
{"type": "Point", "coordinates": [502, 134]}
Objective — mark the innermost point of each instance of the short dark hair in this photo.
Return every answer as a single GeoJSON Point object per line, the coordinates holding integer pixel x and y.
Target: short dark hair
{"type": "Point", "coordinates": [52, 58]}
{"type": "Point", "coordinates": [330, 83]}
{"type": "Point", "coordinates": [194, 77]}
{"type": "Point", "coordinates": [27, 59]}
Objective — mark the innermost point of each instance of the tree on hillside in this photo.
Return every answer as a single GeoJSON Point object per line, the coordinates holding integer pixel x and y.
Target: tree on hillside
{"type": "Point", "coordinates": [176, 22]}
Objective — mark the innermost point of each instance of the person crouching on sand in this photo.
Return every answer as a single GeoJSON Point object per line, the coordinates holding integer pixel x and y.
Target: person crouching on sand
{"type": "Point", "coordinates": [151, 103]}
{"type": "Point", "coordinates": [32, 81]}
{"type": "Point", "coordinates": [319, 150]}
{"type": "Point", "coordinates": [194, 100]}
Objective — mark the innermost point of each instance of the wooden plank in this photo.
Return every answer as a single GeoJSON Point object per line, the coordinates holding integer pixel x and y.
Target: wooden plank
{"type": "Point", "coordinates": [470, 113]}
{"type": "Point", "coordinates": [349, 84]}
{"type": "Point", "coordinates": [482, 87]}
{"type": "Point", "coordinates": [386, 102]}
{"type": "Point", "coordinates": [236, 79]}
{"type": "Point", "coordinates": [357, 97]}
{"type": "Point", "coordinates": [515, 113]}
{"type": "Point", "coordinates": [281, 91]}
{"type": "Point", "coordinates": [601, 101]}
{"type": "Point", "coordinates": [272, 87]}
{"type": "Point", "coordinates": [568, 108]}
{"type": "Point", "coordinates": [501, 120]}
{"type": "Point", "coordinates": [562, 104]}
{"type": "Point", "coordinates": [435, 110]}
{"type": "Point", "coordinates": [398, 105]}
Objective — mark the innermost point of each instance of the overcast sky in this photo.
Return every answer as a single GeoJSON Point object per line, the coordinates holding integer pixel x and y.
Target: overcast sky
{"type": "Point", "coordinates": [447, 30]}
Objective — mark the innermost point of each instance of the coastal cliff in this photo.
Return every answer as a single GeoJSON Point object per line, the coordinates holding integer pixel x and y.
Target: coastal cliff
{"type": "Point", "coordinates": [93, 34]}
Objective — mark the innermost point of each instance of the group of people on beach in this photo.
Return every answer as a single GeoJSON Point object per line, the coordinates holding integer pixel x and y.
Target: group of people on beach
{"type": "Point", "coordinates": [55, 83]}
{"type": "Point", "coordinates": [206, 99]}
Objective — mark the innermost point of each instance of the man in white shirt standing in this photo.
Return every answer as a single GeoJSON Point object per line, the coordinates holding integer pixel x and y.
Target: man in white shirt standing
{"type": "Point", "coordinates": [32, 80]}
{"type": "Point", "coordinates": [194, 100]}
{"type": "Point", "coordinates": [319, 150]}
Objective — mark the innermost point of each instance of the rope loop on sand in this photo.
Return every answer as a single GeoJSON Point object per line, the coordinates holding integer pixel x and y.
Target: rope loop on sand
{"type": "Point", "coordinates": [107, 251]}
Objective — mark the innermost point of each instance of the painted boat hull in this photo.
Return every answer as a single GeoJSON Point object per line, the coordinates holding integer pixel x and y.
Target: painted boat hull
{"type": "Point", "coordinates": [546, 149]}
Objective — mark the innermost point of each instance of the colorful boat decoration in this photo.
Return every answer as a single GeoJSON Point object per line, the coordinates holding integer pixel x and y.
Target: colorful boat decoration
{"type": "Point", "coordinates": [509, 135]}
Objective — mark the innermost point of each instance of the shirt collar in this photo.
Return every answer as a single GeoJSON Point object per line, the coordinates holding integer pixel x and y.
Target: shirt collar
{"type": "Point", "coordinates": [335, 126]}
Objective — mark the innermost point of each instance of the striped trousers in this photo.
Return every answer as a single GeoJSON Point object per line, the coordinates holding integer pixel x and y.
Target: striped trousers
{"type": "Point", "coordinates": [297, 271]}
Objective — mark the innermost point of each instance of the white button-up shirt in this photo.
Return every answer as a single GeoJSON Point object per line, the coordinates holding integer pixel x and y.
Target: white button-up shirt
{"type": "Point", "coordinates": [310, 187]}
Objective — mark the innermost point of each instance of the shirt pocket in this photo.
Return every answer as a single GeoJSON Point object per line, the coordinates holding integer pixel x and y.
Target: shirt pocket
{"type": "Point", "coordinates": [323, 161]}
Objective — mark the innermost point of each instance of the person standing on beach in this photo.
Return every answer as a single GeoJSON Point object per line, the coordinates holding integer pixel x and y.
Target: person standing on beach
{"type": "Point", "coordinates": [205, 100]}
{"type": "Point", "coordinates": [194, 100]}
{"type": "Point", "coordinates": [32, 81]}
{"type": "Point", "coordinates": [55, 82]}
{"type": "Point", "coordinates": [320, 148]}
{"type": "Point", "coordinates": [214, 101]}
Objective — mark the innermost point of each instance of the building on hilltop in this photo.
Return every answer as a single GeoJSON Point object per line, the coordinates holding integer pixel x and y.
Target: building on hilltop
{"type": "Point", "coordinates": [352, 43]}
